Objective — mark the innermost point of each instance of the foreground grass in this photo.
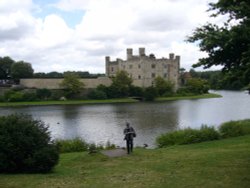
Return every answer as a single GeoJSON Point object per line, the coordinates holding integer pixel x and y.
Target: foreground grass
{"type": "Point", "coordinates": [123, 100]}
{"type": "Point", "coordinates": [224, 163]}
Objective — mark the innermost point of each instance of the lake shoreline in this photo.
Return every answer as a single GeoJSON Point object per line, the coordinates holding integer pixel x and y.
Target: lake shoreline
{"type": "Point", "coordinates": [106, 101]}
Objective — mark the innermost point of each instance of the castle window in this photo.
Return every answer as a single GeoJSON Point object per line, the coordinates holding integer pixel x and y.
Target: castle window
{"type": "Point", "coordinates": [165, 66]}
{"type": "Point", "coordinates": [130, 66]}
{"type": "Point", "coordinates": [139, 77]}
{"type": "Point", "coordinates": [124, 67]}
{"type": "Point", "coordinates": [153, 75]}
{"type": "Point", "coordinates": [153, 66]}
{"type": "Point", "coordinates": [139, 66]}
{"type": "Point", "coordinates": [112, 69]}
{"type": "Point", "coordinates": [165, 75]}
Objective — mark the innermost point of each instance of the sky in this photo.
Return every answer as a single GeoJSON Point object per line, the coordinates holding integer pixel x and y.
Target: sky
{"type": "Point", "coordinates": [76, 35]}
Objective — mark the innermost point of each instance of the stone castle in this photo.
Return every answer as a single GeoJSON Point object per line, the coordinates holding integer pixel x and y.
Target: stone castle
{"type": "Point", "coordinates": [144, 69]}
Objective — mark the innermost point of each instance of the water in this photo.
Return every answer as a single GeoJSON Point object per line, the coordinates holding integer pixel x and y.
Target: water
{"type": "Point", "coordinates": [105, 122]}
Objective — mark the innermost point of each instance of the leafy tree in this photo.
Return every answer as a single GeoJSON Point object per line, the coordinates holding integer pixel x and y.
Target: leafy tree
{"type": "Point", "coordinates": [227, 45]}
{"type": "Point", "coordinates": [71, 84]}
{"type": "Point", "coordinates": [163, 86]}
{"type": "Point", "coordinates": [120, 84]}
{"type": "Point", "coordinates": [21, 69]}
{"type": "Point", "coordinates": [197, 86]}
{"type": "Point", "coordinates": [5, 67]}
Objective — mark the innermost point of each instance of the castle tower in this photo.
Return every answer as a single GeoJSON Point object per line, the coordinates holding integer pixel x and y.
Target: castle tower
{"type": "Point", "coordinates": [141, 52]}
{"type": "Point", "coordinates": [129, 53]}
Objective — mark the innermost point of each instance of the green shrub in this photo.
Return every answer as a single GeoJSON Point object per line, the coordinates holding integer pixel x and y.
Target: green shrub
{"type": "Point", "coordinates": [187, 136]}
{"type": "Point", "coordinates": [16, 97]}
{"type": "Point", "coordinates": [25, 145]}
{"type": "Point", "coordinates": [97, 94]}
{"type": "Point", "coordinates": [150, 93]}
{"type": "Point", "coordinates": [235, 128]}
{"type": "Point", "coordinates": [72, 145]}
{"type": "Point", "coordinates": [43, 94]}
{"type": "Point", "coordinates": [29, 96]}
{"type": "Point", "coordinates": [57, 94]}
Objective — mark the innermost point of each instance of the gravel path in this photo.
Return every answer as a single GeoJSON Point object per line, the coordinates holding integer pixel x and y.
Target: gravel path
{"type": "Point", "coordinates": [114, 152]}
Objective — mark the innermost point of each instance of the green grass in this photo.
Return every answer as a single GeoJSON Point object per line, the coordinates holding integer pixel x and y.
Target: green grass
{"type": "Point", "coordinates": [123, 100]}
{"type": "Point", "coordinates": [67, 102]}
{"type": "Point", "coordinates": [223, 163]}
{"type": "Point", "coordinates": [203, 96]}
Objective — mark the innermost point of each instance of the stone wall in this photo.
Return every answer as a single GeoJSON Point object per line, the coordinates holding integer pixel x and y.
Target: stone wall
{"type": "Point", "coordinates": [40, 83]}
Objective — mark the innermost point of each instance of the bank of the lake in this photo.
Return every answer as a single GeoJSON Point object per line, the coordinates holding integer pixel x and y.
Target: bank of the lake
{"type": "Point", "coordinates": [223, 163]}
{"type": "Point", "coordinates": [106, 101]}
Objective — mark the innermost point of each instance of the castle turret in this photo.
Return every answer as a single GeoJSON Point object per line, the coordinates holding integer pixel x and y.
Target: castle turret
{"type": "Point", "coordinates": [129, 53]}
{"type": "Point", "coordinates": [107, 60]}
{"type": "Point", "coordinates": [141, 52]}
{"type": "Point", "coordinates": [171, 56]}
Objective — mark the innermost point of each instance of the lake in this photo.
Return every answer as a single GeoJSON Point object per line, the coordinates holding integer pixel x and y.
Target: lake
{"type": "Point", "coordinates": [100, 123]}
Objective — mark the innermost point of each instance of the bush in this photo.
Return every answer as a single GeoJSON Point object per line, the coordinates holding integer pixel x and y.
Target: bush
{"type": "Point", "coordinates": [25, 145]}
{"type": "Point", "coordinates": [29, 96]}
{"type": "Point", "coordinates": [16, 97]}
{"type": "Point", "coordinates": [235, 128]}
{"type": "Point", "coordinates": [43, 94]}
{"type": "Point", "coordinates": [73, 145]}
{"type": "Point", "coordinates": [187, 136]}
{"type": "Point", "coordinates": [150, 93]}
{"type": "Point", "coordinates": [97, 94]}
{"type": "Point", "coordinates": [57, 94]}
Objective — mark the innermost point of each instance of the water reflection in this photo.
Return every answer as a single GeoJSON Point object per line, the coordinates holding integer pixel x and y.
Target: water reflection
{"type": "Point", "coordinates": [105, 122]}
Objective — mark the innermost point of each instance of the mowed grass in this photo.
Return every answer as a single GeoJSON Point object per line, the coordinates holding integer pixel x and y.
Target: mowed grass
{"type": "Point", "coordinates": [223, 163]}
{"type": "Point", "coordinates": [104, 101]}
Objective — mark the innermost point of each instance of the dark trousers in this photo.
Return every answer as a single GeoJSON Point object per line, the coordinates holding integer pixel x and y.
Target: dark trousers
{"type": "Point", "coordinates": [129, 146]}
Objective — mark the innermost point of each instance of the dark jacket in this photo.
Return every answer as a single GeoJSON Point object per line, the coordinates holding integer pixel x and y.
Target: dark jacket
{"type": "Point", "coordinates": [129, 133]}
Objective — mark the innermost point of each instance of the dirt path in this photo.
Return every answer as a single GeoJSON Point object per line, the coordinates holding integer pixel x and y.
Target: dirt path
{"type": "Point", "coordinates": [114, 152]}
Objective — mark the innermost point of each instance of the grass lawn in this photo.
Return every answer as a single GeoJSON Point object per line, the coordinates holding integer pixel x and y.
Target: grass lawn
{"type": "Point", "coordinates": [223, 163]}
{"type": "Point", "coordinates": [123, 100]}
{"type": "Point", "coordinates": [204, 96]}
{"type": "Point", "coordinates": [39, 103]}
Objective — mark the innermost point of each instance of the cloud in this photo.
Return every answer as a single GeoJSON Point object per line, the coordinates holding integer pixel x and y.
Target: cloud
{"type": "Point", "coordinates": [107, 28]}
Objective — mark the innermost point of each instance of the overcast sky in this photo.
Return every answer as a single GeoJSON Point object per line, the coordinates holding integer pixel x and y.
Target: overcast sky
{"type": "Point", "coordinates": [76, 35]}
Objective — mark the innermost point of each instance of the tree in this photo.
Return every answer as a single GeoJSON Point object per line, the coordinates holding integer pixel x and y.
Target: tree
{"type": "Point", "coordinates": [21, 69]}
{"type": "Point", "coordinates": [5, 67]}
{"type": "Point", "coordinates": [121, 84]}
{"type": "Point", "coordinates": [72, 84]}
{"type": "Point", "coordinates": [197, 86]}
{"type": "Point", "coordinates": [163, 86]}
{"type": "Point", "coordinates": [227, 45]}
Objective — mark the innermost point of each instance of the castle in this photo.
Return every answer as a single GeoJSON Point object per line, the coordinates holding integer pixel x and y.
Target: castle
{"type": "Point", "coordinates": [144, 69]}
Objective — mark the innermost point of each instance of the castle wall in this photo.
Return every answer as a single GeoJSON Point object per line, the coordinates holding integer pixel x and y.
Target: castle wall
{"type": "Point", "coordinates": [55, 83]}
{"type": "Point", "coordinates": [144, 69]}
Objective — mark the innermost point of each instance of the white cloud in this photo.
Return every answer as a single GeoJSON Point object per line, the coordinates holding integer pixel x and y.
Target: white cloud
{"type": "Point", "coordinates": [108, 27]}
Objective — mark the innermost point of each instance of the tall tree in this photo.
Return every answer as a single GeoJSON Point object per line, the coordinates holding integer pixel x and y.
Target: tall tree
{"type": "Point", "coordinates": [163, 87]}
{"type": "Point", "coordinates": [227, 45]}
{"type": "Point", "coordinates": [72, 84]}
{"type": "Point", "coordinates": [121, 84]}
{"type": "Point", "coordinates": [21, 69]}
{"type": "Point", "coordinates": [5, 67]}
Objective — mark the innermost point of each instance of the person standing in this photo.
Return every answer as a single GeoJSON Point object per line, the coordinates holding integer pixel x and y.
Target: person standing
{"type": "Point", "coordinates": [129, 134]}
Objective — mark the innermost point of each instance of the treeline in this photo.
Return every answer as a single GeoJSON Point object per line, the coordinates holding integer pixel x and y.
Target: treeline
{"type": "Point", "coordinates": [54, 74]}
{"type": "Point", "coordinates": [219, 80]}
{"type": "Point", "coordinates": [11, 69]}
